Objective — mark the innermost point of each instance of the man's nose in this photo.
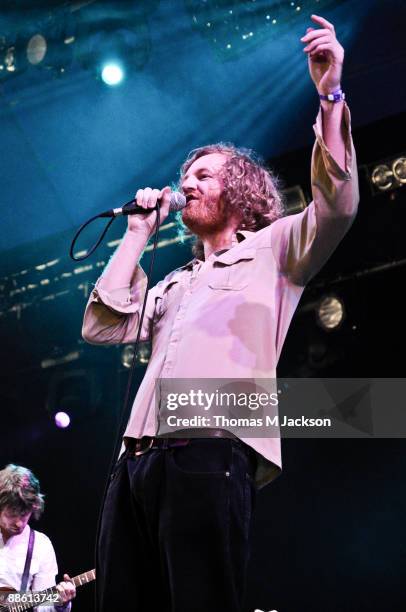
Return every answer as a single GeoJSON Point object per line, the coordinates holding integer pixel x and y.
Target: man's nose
{"type": "Point", "coordinates": [189, 184]}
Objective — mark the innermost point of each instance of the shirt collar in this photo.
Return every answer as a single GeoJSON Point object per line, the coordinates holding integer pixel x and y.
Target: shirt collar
{"type": "Point", "coordinates": [238, 237]}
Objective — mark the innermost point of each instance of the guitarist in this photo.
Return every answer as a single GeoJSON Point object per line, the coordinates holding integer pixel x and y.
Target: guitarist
{"type": "Point", "coordinates": [27, 557]}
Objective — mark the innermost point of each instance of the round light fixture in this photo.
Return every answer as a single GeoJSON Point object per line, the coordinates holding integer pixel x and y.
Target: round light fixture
{"type": "Point", "coordinates": [330, 312]}
{"type": "Point", "coordinates": [127, 355]}
{"type": "Point", "coordinates": [36, 49]}
{"type": "Point", "coordinates": [399, 170]}
{"type": "Point", "coordinates": [112, 74]}
{"type": "Point", "coordinates": [143, 355]}
{"type": "Point", "coordinates": [382, 177]}
{"type": "Point", "coordinates": [62, 420]}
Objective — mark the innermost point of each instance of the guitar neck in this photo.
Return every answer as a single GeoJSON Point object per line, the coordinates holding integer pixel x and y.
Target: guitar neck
{"type": "Point", "coordinates": [84, 578]}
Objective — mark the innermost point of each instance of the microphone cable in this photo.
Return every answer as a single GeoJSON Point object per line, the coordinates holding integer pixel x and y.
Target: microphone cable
{"type": "Point", "coordinates": [102, 235]}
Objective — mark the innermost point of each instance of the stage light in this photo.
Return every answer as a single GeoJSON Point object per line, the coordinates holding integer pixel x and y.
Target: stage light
{"type": "Point", "coordinates": [62, 420]}
{"type": "Point", "coordinates": [382, 177]}
{"type": "Point", "coordinates": [399, 170]}
{"type": "Point", "coordinates": [10, 59]}
{"type": "Point", "coordinates": [388, 174]}
{"type": "Point", "coordinates": [144, 353]}
{"type": "Point", "coordinates": [127, 354]}
{"type": "Point", "coordinates": [36, 49]}
{"type": "Point", "coordinates": [330, 312]}
{"type": "Point", "coordinates": [10, 56]}
{"type": "Point", "coordinates": [112, 74]}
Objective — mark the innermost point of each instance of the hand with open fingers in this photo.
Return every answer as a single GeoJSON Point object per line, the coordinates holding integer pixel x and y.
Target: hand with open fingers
{"type": "Point", "coordinates": [148, 198]}
{"type": "Point", "coordinates": [66, 589]}
{"type": "Point", "coordinates": [325, 55]}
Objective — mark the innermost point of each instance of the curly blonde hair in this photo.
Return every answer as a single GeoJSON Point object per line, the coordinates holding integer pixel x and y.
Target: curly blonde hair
{"type": "Point", "coordinates": [249, 188]}
{"type": "Point", "coordinates": [20, 491]}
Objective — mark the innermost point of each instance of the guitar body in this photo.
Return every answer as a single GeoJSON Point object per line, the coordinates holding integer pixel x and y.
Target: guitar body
{"type": "Point", "coordinates": [19, 607]}
{"type": "Point", "coordinates": [4, 592]}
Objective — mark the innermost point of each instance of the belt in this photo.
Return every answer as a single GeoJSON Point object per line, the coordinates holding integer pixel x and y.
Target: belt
{"type": "Point", "coordinates": [140, 446]}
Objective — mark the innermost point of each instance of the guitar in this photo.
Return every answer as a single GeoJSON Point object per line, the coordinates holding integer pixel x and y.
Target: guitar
{"type": "Point", "coordinates": [30, 599]}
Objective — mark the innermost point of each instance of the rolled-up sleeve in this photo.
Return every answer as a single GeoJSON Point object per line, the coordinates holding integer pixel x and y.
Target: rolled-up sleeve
{"type": "Point", "coordinates": [112, 317]}
{"type": "Point", "coordinates": [302, 243]}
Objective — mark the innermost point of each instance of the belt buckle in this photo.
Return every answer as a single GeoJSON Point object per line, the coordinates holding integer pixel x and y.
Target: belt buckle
{"type": "Point", "coordinates": [137, 453]}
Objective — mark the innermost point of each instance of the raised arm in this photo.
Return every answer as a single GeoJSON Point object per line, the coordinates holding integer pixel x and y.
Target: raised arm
{"type": "Point", "coordinates": [325, 58]}
{"type": "Point", "coordinates": [302, 243]}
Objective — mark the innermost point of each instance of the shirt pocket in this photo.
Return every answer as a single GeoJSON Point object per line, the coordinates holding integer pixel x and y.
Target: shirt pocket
{"type": "Point", "coordinates": [233, 271]}
{"type": "Point", "coordinates": [164, 297]}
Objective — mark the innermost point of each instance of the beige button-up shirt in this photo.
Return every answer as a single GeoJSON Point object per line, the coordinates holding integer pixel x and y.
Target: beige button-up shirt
{"type": "Point", "coordinates": [228, 317]}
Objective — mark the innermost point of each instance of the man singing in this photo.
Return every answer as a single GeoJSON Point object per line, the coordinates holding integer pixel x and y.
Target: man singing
{"type": "Point", "coordinates": [175, 525]}
{"type": "Point", "coordinates": [27, 557]}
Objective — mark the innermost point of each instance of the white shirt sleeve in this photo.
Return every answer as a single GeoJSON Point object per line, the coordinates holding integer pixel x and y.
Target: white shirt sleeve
{"type": "Point", "coordinates": [47, 570]}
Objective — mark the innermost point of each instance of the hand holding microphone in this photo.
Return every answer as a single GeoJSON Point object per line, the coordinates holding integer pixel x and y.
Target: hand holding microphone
{"type": "Point", "coordinates": [141, 215]}
{"type": "Point", "coordinates": [146, 199]}
{"type": "Point", "coordinates": [141, 211]}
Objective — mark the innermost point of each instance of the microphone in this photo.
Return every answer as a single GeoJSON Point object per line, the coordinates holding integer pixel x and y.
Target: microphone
{"type": "Point", "coordinates": [177, 202]}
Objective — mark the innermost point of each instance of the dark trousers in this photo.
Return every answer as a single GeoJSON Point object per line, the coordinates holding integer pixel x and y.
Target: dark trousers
{"type": "Point", "coordinates": [175, 529]}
